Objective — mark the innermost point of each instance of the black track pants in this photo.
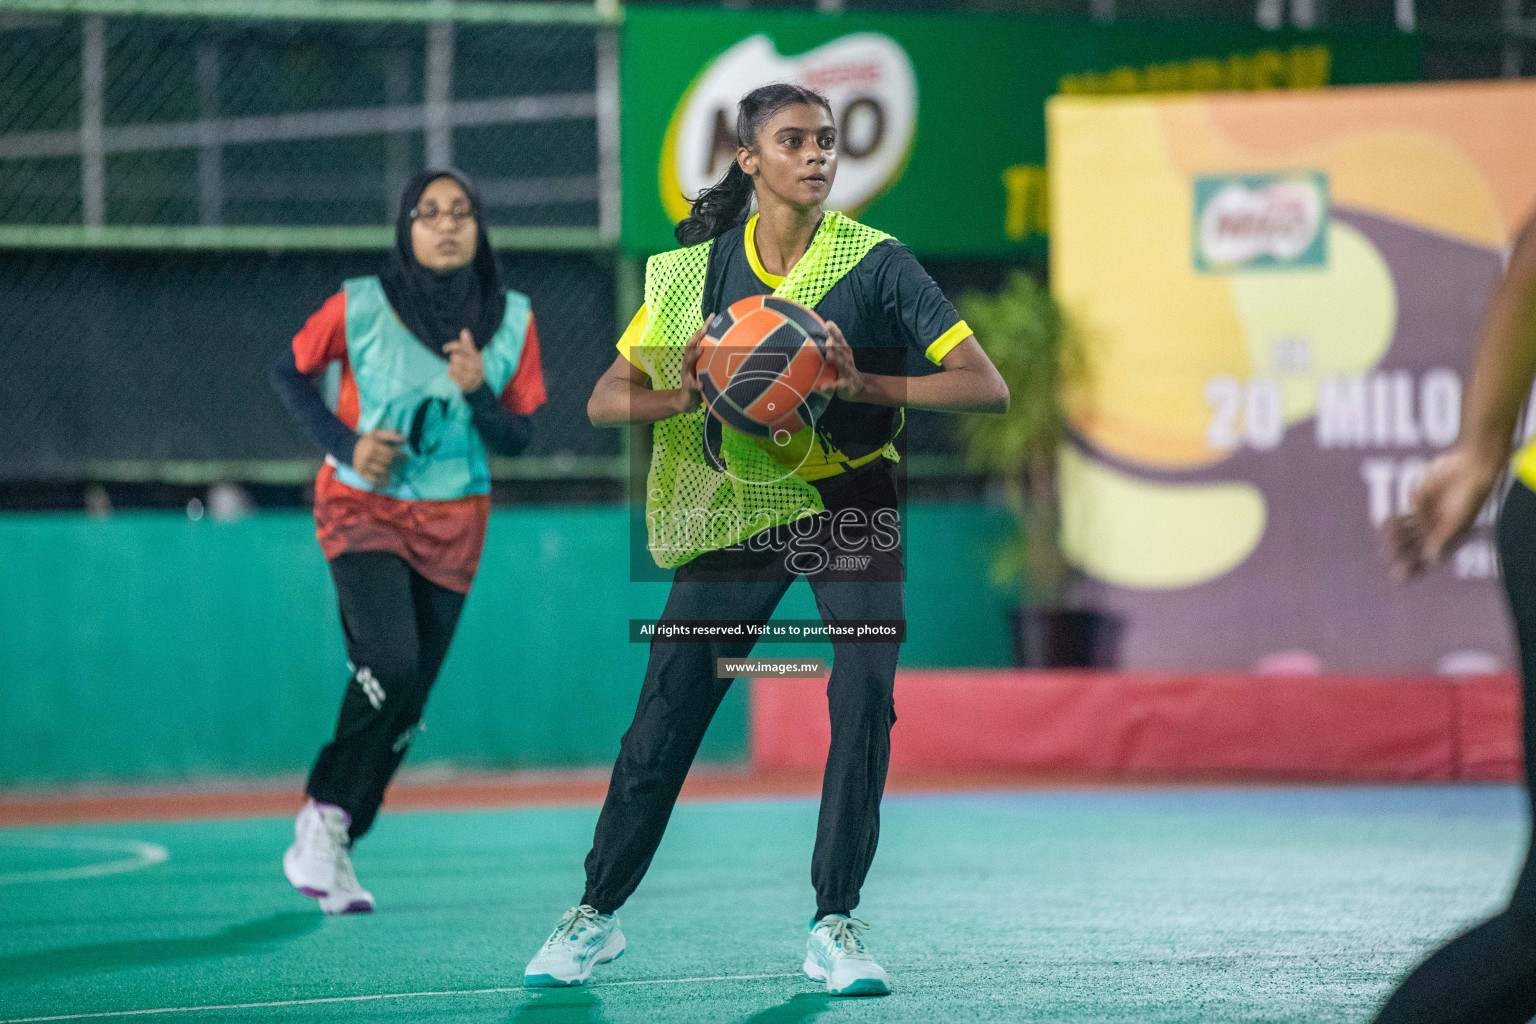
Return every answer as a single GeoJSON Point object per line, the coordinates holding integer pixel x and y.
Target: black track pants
{"type": "Point", "coordinates": [398, 625]}
{"type": "Point", "coordinates": [681, 694]}
{"type": "Point", "coordinates": [1488, 975]}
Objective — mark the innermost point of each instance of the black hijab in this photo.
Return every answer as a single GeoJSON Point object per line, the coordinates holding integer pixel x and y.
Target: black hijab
{"type": "Point", "coordinates": [436, 307]}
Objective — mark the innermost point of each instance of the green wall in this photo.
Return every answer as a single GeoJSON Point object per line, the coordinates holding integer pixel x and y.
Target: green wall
{"type": "Point", "coordinates": [146, 647]}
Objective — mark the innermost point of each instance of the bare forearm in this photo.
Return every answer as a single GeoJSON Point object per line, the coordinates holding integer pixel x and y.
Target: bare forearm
{"type": "Point", "coordinates": [617, 401]}
{"type": "Point", "coordinates": [952, 390]}
{"type": "Point", "coordinates": [1505, 362]}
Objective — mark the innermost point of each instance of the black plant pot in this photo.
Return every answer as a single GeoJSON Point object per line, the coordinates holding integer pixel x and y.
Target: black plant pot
{"type": "Point", "coordinates": [1062, 638]}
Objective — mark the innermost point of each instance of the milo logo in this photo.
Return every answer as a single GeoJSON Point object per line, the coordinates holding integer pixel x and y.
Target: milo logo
{"type": "Point", "coordinates": [867, 77]}
{"type": "Point", "coordinates": [1261, 221]}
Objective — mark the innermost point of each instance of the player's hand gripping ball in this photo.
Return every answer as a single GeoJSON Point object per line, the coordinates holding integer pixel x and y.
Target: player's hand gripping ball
{"type": "Point", "coordinates": [760, 364]}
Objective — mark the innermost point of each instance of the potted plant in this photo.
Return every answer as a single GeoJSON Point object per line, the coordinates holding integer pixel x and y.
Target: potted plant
{"type": "Point", "coordinates": [1034, 349]}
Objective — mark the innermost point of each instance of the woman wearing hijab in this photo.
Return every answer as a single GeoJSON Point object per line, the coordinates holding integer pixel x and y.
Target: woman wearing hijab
{"type": "Point", "coordinates": [439, 362]}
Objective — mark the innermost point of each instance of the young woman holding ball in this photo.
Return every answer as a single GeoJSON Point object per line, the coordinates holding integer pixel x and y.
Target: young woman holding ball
{"type": "Point", "coordinates": [787, 509]}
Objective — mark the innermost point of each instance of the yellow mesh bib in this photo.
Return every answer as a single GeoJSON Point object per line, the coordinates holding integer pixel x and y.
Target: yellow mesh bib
{"type": "Point", "coordinates": [690, 506]}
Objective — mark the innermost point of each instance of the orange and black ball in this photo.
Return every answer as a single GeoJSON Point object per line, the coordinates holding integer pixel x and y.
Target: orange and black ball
{"type": "Point", "coordinates": [761, 361]}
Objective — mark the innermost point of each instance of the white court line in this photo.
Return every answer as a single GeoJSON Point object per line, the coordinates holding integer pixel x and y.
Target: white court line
{"type": "Point", "coordinates": [140, 855]}
{"type": "Point", "coordinates": [388, 995]}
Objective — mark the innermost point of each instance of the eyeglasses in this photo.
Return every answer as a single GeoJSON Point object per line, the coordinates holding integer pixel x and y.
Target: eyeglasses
{"type": "Point", "coordinates": [432, 215]}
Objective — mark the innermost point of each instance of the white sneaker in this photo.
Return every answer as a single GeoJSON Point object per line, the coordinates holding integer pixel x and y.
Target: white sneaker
{"type": "Point", "coordinates": [582, 940]}
{"type": "Point", "coordinates": [835, 954]}
{"type": "Point", "coordinates": [318, 864]}
{"type": "Point", "coordinates": [346, 896]}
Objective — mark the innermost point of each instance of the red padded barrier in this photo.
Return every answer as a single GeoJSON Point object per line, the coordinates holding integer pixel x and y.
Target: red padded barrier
{"type": "Point", "coordinates": [1488, 729]}
{"type": "Point", "coordinates": [1170, 725]}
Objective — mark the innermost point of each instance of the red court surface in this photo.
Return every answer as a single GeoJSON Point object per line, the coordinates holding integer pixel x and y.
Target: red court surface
{"type": "Point", "coordinates": [513, 789]}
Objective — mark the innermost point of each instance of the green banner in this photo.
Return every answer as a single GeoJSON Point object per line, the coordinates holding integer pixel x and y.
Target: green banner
{"type": "Point", "coordinates": [942, 117]}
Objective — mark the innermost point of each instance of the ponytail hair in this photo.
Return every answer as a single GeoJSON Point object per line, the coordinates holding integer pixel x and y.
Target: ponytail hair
{"type": "Point", "coordinates": [724, 204]}
{"type": "Point", "coordinates": [718, 208]}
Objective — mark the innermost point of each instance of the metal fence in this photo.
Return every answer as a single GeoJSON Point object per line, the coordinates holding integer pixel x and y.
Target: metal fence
{"type": "Point", "coordinates": [141, 366]}
{"type": "Point", "coordinates": [297, 123]}
{"type": "Point", "coordinates": [182, 181]}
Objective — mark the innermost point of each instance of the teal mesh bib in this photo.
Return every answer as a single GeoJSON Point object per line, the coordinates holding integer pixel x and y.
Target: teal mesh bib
{"type": "Point", "coordinates": [402, 386]}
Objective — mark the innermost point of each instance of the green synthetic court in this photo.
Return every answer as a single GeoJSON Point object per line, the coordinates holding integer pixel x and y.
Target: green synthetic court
{"type": "Point", "coordinates": [1218, 905]}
